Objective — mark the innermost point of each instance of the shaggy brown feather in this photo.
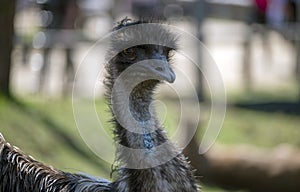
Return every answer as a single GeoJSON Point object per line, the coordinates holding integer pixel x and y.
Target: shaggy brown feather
{"type": "Point", "coordinates": [21, 173]}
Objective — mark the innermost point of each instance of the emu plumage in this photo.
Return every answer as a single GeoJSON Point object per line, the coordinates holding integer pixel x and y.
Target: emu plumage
{"type": "Point", "coordinates": [20, 172]}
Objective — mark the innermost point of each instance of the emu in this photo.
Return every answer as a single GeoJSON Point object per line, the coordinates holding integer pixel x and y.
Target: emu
{"type": "Point", "coordinates": [144, 171]}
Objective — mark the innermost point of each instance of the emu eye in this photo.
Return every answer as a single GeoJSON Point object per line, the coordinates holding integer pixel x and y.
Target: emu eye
{"type": "Point", "coordinates": [129, 53]}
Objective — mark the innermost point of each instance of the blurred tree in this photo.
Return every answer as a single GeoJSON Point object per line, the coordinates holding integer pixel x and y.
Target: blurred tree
{"type": "Point", "coordinates": [297, 13]}
{"type": "Point", "coordinates": [7, 12]}
{"type": "Point", "coordinates": [64, 16]}
{"type": "Point", "coordinates": [297, 47]}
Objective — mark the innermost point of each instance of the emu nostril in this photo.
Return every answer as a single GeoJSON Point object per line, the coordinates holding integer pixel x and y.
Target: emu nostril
{"type": "Point", "coordinates": [159, 68]}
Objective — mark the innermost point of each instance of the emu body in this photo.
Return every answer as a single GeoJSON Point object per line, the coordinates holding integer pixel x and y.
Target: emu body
{"type": "Point", "coordinates": [21, 173]}
{"type": "Point", "coordinates": [141, 172]}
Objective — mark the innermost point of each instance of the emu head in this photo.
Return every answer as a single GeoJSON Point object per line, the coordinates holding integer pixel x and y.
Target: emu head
{"type": "Point", "coordinates": [145, 45]}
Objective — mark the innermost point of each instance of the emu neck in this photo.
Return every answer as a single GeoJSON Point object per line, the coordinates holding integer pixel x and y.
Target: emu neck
{"type": "Point", "coordinates": [145, 164]}
{"type": "Point", "coordinates": [139, 103]}
{"type": "Point", "coordinates": [141, 133]}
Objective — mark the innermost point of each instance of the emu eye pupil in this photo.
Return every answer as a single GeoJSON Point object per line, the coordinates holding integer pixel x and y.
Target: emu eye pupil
{"type": "Point", "coordinates": [129, 53]}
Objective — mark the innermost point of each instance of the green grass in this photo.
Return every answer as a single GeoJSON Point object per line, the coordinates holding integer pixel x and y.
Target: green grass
{"type": "Point", "coordinates": [259, 128]}
{"type": "Point", "coordinates": [288, 93]}
{"type": "Point", "coordinates": [46, 130]}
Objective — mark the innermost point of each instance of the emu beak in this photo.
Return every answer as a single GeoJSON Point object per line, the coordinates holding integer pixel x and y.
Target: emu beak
{"type": "Point", "coordinates": [161, 68]}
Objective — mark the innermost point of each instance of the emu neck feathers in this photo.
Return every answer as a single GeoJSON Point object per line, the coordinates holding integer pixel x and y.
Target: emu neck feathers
{"type": "Point", "coordinates": [136, 124]}
{"type": "Point", "coordinates": [150, 162]}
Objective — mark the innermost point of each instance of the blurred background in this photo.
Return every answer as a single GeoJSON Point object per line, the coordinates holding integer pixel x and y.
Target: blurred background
{"type": "Point", "coordinates": [254, 43]}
